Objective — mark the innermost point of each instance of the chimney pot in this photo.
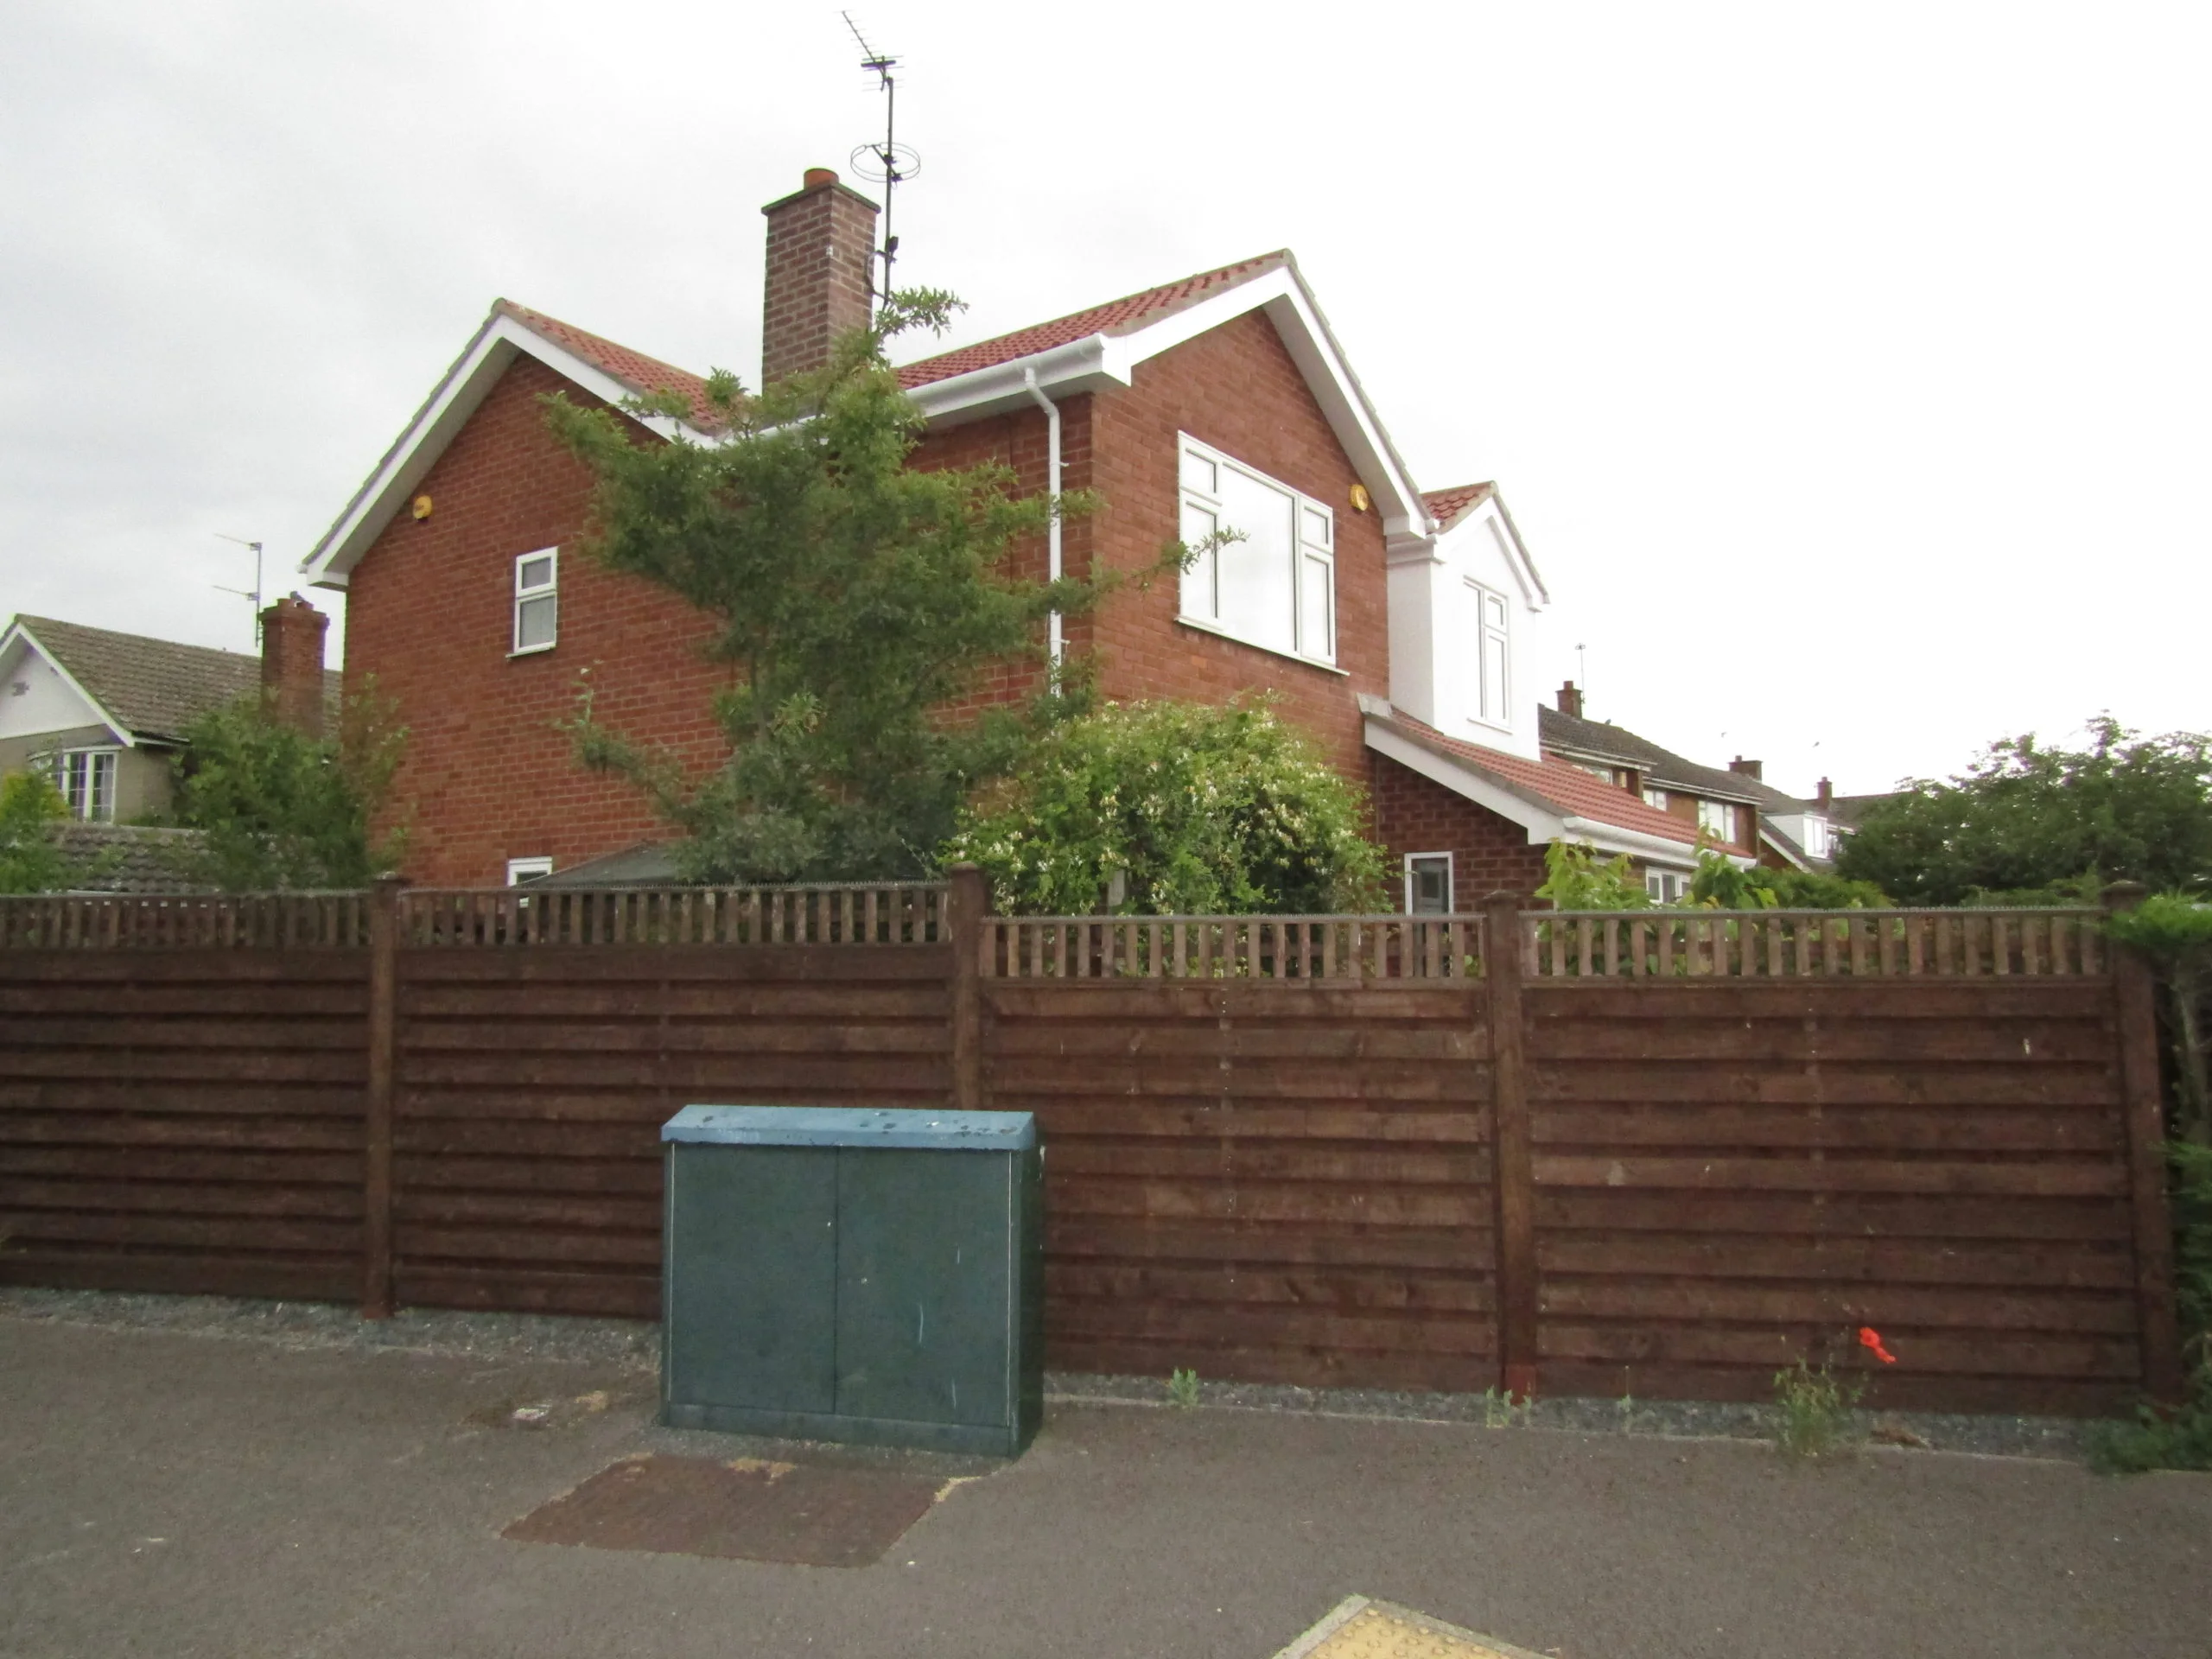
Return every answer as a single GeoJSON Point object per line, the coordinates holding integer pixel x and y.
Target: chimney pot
{"type": "Point", "coordinates": [1570, 699]}
{"type": "Point", "coordinates": [821, 274]}
{"type": "Point", "coordinates": [1748, 768]}
{"type": "Point", "coordinates": [292, 633]}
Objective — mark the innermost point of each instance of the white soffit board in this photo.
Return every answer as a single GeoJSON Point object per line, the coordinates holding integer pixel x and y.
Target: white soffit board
{"type": "Point", "coordinates": [497, 344]}
{"type": "Point", "coordinates": [18, 644]}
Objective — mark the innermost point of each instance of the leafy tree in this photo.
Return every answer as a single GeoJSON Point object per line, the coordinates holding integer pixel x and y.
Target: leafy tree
{"type": "Point", "coordinates": [1173, 808]}
{"type": "Point", "coordinates": [1720, 885]}
{"type": "Point", "coordinates": [31, 860]}
{"type": "Point", "coordinates": [277, 808]}
{"type": "Point", "coordinates": [1576, 878]}
{"type": "Point", "coordinates": [854, 598]}
{"type": "Point", "coordinates": [2028, 819]}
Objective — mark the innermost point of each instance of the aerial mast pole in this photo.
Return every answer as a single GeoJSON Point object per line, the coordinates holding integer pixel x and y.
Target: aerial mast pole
{"type": "Point", "coordinates": [889, 163]}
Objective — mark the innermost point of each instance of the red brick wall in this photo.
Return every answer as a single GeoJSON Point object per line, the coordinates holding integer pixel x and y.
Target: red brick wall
{"type": "Point", "coordinates": [429, 615]}
{"type": "Point", "coordinates": [1415, 815]}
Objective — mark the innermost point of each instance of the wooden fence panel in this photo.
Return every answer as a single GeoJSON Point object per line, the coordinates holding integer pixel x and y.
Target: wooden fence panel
{"type": "Point", "coordinates": [1730, 1175]}
{"type": "Point", "coordinates": [532, 1085]}
{"type": "Point", "coordinates": [182, 1119]}
{"type": "Point", "coordinates": [1261, 1180]}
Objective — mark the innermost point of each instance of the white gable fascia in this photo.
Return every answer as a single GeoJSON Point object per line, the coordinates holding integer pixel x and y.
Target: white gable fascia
{"type": "Point", "coordinates": [1543, 826]}
{"type": "Point", "coordinates": [498, 343]}
{"type": "Point", "coordinates": [1102, 361]}
{"type": "Point", "coordinates": [19, 637]}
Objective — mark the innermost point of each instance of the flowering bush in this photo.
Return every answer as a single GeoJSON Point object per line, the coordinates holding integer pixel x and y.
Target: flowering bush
{"type": "Point", "coordinates": [1173, 808]}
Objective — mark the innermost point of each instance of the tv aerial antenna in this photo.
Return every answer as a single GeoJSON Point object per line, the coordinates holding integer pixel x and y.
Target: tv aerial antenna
{"type": "Point", "coordinates": [254, 597]}
{"type": "Point", "coordinates": [889, 163]}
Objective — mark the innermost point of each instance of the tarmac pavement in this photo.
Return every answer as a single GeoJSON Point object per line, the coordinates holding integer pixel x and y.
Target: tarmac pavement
{"type": "Point", "coordinates": [177, 1495]}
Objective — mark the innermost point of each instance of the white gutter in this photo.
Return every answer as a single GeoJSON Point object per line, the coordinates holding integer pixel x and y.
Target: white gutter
{"type": "Point", "coordinates": [1052, 488]}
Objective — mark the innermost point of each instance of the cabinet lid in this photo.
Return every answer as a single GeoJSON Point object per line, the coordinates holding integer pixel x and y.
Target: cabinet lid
{"type": "Point", "coordinates": [852, 1126]}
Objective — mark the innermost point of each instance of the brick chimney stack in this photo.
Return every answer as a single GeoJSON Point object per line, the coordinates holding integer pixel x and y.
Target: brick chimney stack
{"type": "Point", "coordinates": [291, 663]}
{"type": "Point", "coordinates": [1570, 699]}
{"type": "Point", "coordinates": [1826, 799]}
{"type": "Point", "coordinates": [820, 270]}
{"type": "Point", "coordinates": [1748, 768]}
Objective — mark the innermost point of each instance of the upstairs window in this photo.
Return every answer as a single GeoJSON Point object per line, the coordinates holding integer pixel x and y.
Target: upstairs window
{"type": "Point", "coordinates": [1656, 799]}
{"type": "Point", "coordinates": [1721, 818]}
{"type": "Point", "coordinates": [1816, 837]}
{"type": "Point", "coordinates": [86, 781]}
{"type": "Point", "coordinates": [537, 601]}
{"type": "Point", "coordinates": [1493, 676]}
{"type": "Point", "coordinates": [1276, 588]}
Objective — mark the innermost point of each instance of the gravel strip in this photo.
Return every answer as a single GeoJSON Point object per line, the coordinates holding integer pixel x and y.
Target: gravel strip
{"type": "Point", "coordinates": [634, 1344]}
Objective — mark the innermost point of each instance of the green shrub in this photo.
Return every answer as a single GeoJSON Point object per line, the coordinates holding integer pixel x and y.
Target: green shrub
{"type": "Point", "coordinates": [30, 859]}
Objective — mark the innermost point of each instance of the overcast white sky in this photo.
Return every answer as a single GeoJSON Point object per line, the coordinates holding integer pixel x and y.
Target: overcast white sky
{"type": "Point", "coordinates": [1845, 368]}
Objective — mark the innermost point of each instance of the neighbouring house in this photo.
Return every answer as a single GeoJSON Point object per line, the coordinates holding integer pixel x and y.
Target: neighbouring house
{"type": "Point", "coordinates": [104, 713]}
{"type": "Point", "coordinates": [1392, 624]}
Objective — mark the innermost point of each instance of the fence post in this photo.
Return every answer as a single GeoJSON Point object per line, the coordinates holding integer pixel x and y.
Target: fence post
{"type": "Point", "coordinates": [964, 912]}
{"type": "Point", "coordinates": [1512, 1172]}
{"type": "Point", "coordinates": [384, 1035]}
{"type": "Point", "coordinates": [2142, 1107]}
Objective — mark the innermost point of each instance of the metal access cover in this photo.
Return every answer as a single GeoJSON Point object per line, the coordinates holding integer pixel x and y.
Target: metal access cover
{"type": "Point", "coordinates": [805, 1515]}
{"type": "Point", "coordinates": [1360, 1629]}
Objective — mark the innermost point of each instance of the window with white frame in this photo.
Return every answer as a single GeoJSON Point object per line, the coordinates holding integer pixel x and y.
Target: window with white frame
{"type": "Point", "coordinates": [1667, 887]}
{"type": "Point", "coordinates": [1493, 670]}
{"type": "Point", "coordinates": [1428, 884]}
{"type": "Point", "coordinates": [1720, 817]}
{"type": "Point", "coordinates": [1274, 587]}
{"type": "Point", "coordinates": [1816, 837]}
{"type": "Point", "coordinates": [537, 601]}
{"type": "Point", "coordinates": [1656, 799]}
{"type": "Point", "coordinates": [520, 870]}
{"type": "Point", "coordinates": [86, 781]}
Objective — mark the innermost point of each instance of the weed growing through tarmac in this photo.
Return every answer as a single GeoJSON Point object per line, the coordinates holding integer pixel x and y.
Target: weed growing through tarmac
{"type": "Point", "coordinates": [1812, 1410]}
{"type": "Point", "coordinates": [1183, 1387]}
{"type": "Point", "coordinates": [1499, 1410]}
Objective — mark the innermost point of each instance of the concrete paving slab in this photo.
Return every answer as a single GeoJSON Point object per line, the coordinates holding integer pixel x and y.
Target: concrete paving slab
{"type": "Point", "coordinates": [176, 1495]}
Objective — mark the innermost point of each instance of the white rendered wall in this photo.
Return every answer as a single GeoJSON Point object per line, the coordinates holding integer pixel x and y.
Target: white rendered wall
{"type": "Point", "coordinates": [47, 702]}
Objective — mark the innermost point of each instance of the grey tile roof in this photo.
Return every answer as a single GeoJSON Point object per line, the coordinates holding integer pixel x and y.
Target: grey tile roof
{"type": "Point", "coordinates": [155, 688]}
{"type": "Point", "coordinates": [127, 858]}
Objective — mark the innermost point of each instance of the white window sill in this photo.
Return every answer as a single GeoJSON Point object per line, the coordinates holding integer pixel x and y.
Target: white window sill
{"type": "Point", "coordinates": [532, 650]}
{"type": "Point", "coordinates": [1219, 632]}
{"type": "Point", "coordinates": [1481, 724]}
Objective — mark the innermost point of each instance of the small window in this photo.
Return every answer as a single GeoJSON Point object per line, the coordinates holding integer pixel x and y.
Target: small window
{"type": "Point", "coordinates": [1428, 884]}
{"type": "Point", "coordinates": [520, 870]}
{"type": "Point", "coordinates": [86, 781]}
{"type": "Point", "coordinates": [1719, 817]}
{"type": "Point", "coordinates": [537, 601]}
{"type": "Point", "coordinates": [1656, 799]}
{"type": "Point", "coordinates": [1816, 837]}
{"type": "Point", "coordinates": [1493, 676]}
{"type": "Point", "coordinates": [1275, 586]}
{"type": "Point", "coordinates": [1667, 887]}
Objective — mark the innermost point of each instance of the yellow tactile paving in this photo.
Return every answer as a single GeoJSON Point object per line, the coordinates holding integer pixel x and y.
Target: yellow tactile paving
{"type": "Point", "coordinates": [1360, 1629]}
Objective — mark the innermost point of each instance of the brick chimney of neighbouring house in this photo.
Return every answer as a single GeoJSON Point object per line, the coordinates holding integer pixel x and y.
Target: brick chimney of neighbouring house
{"type": "Point", "coordinates": [1570, 699]}
{"type": "Point", "coordinates": [291, 663]}
{"type": "Point", "coordinates": [1826, 799]}
{"type": "Point", "coordinates": [821, 266]}
{"type": "Point", "coordinates": [1748, 768]}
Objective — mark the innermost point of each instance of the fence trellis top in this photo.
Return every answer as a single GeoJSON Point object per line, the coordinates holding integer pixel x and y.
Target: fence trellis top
{"type": "Point", "coordinates": [1645, 944]}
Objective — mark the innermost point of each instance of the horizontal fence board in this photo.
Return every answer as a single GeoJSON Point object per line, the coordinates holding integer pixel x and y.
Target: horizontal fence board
{"type": "Point", "coordinates": [1383, 1081]}
{"type": "Point", "coordinates": [1235, 1241]}
{"type": "Point", "coordinates": [1890, 1308]}
{"type": "Point", "coordinates": [20, 1196]}
{"type": "Point", "coordinates": [583, 998]}
{"type": "Point", "coordinates": [618, 1294]}
{"type": "Point", "coordinates": [1298, 1367]}
{"type": "Point", "coordinates": [1152, 1320]}
{"type": "Point", "coordinates": [738, 1038]}
{"type": "Point", "coordinates": [1234, 1284]}
{"type": "Point", "coordinates": [1827, 1215]}
{"type": "Point", "coordinates": [22, 1006]}
{"type": "Point", "coordinates": [1315, 1040]}
{"type": "Point", "coordinates": [166, 1066]}
{"type": "Point", "coordinates": [1122, 1000]}
{"type": "Point", "coordinates": [460, 1247]}
{"type": "Point", "coordinates": [168, 969]}
{"type": "Point", "coordinates": [163, 1163]}
{"type": "Point", "coordinates": [695, 965]}
{"type": "Point", "coordinates": [2098, 1177]}
{"type": "Point", "coordinates": [1287, 1160]}
{"type": "Point", "coordinates": [225, 1096]}
{"type": "Point", "coordinates": [338, 1241]}
{"type": "Point", "coordinates": [1881, 1263]}
{"type": "Point", "coordinates": [2049, 1083]}
{"type": "Point", "coordinates": [1645, 1000]}
{"type": "Point", "coordinates": [1979, 1353]}
{"type": "Point", "coordinates": [1983, 1042]}
{"type": "Point", "coordinates": [20, 1128]}
{"type": "Point", "coordinates": [164, 1270]}
{"type": "Point", "coordinates": [1647, 1380]}
{"type": "Point", "coordinates": [699, 1076]}
{"type": "Point", "coordinates": [1872, 1130]}
{"type": "Point", "coordinates": [1257, 1200]}
{"type": "Point", "coordinates": [631, 1171]}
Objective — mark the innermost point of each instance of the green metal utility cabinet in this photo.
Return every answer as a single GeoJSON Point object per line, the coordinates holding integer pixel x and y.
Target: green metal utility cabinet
{"type": "Point", "coordinates": [841, 1274]}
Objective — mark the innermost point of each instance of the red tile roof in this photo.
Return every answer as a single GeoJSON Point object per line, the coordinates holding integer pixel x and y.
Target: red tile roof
{"type": "Point", "coordinates": [1567, 790]}
{"type": "Point", "coordinates": [1115, 317]}
{"type": "Point", "coordinates": [1448, 504]}
{"type": "Point", "coordinates": [640, 373]}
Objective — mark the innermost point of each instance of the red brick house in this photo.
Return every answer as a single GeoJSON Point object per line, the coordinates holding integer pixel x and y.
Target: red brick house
{"type": "Point", "coordinates": [1219, 399]}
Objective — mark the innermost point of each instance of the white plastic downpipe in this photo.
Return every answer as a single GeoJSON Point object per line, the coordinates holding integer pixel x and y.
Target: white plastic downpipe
{"type": "Point", "coordinates": [1053, 488]}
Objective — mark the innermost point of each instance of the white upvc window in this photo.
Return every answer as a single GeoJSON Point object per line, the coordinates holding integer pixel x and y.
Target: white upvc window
{"type": "Point", "coordinates": [1816, 837]}
{"type": "Point", "coordinates": [1667, 887]}
{"type": "Point", "coordinates": [520, 870]}
{"type": "Point", "coordinates": [86, 781]}
{"type": "Point", "coordinates": [1656, 799]}
{"type": "Point", "coordinates": [1493, 663]}
{"type": "Point", "coordinates": [1276, 587]}
{"type": "Point", "coordinates": [1428, 884]}
{"type": "Point", "coordinates": [537, 601]}
{"type": "Point", "coordinates": [1720, 817]}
